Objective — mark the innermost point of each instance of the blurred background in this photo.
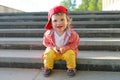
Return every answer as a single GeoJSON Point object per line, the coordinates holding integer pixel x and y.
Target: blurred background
{"type": "Point", "coordinates": [45, 5]}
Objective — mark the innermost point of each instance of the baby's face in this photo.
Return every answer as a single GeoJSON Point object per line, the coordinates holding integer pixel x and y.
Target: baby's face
{"type": "Point", "coordinates": [59, 22]}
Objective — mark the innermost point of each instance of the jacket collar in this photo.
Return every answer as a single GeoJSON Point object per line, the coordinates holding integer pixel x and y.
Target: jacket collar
{"type": "Point", "coordinates": [68, 32]}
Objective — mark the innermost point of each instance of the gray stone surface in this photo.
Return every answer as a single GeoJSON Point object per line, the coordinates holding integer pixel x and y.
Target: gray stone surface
{"type": "Point", "coordinates": [36, 74]}
{"type": "Point", "coordinates": [84, 41]}
{"type": "Point", "coordinates": [17, 74]}
{"type": "Point", "coordinates": [84, 57]}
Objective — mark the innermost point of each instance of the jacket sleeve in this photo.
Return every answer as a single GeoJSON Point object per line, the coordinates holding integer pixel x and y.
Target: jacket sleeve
{"type": "Point", "coordinates": [47, 42]}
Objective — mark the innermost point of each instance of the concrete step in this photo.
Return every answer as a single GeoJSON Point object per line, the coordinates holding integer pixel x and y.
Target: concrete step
{"type": "Point", "coordinates": [86, 60]}
{"type": "Point", "coordinates": [36, 74]}
{"type": "Point", "coordinates": [83, 32]}
{"type": "Point", "coordinates": [78, 30]}
{"type": "Point", "coordinates": [75, 24]}
{"type": "Point", "coordinates": [94, 12]}
{"type": "Point", "coordinates": [71, 13]}
{"type": "Point", "coordinates": [73, 17]}
{"type": "Point", "coordinates": [36, 43]}
{"type": "Point", "coordinates": [84, 41]}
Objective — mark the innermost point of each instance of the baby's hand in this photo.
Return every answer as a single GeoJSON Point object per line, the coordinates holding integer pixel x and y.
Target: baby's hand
{"type": "Point", "coordinates": [56, 50]}
{"type": "Point", "coordinates": [62, 49]}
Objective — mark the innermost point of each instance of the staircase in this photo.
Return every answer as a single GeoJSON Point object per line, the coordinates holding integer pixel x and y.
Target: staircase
{"type": "Point", "coordinates": [21, 40]}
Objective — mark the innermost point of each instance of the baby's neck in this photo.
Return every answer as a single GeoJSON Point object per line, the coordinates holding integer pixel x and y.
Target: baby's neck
{"type": "Point", "coordinates": [60, 33]}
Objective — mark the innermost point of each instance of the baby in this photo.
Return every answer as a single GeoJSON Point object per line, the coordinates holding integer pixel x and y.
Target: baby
{"type": "Point", "coordinates": [60, 40]}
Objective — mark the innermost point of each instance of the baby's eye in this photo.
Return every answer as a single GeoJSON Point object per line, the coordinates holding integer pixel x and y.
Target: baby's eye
{"type": "Point", "coordinates": [62, 19]}
{"type": "Point", "coordinates": [54, 20]}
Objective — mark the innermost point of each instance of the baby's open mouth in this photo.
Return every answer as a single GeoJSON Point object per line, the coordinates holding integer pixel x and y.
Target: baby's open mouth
{"type": "Point", "coordinates": [59, 26]}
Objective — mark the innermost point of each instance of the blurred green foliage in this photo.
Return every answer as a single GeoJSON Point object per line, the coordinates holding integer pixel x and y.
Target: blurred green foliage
{"type": "Point", "coordinates": [86, 5]}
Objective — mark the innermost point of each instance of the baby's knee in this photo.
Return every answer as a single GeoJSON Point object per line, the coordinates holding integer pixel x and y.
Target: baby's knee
{"type": "Point", "coordinates": [69, 54]}
{"type": "Point", "coordinates": [49, 53]}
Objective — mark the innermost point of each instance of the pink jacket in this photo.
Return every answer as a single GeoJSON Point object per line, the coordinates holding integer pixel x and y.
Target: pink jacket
{"type": "Point", "coordinates": [71, 40]}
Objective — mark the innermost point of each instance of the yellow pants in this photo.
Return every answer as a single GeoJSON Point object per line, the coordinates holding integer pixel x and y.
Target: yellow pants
{"type": "Point", "coordinates": [50, 56]}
